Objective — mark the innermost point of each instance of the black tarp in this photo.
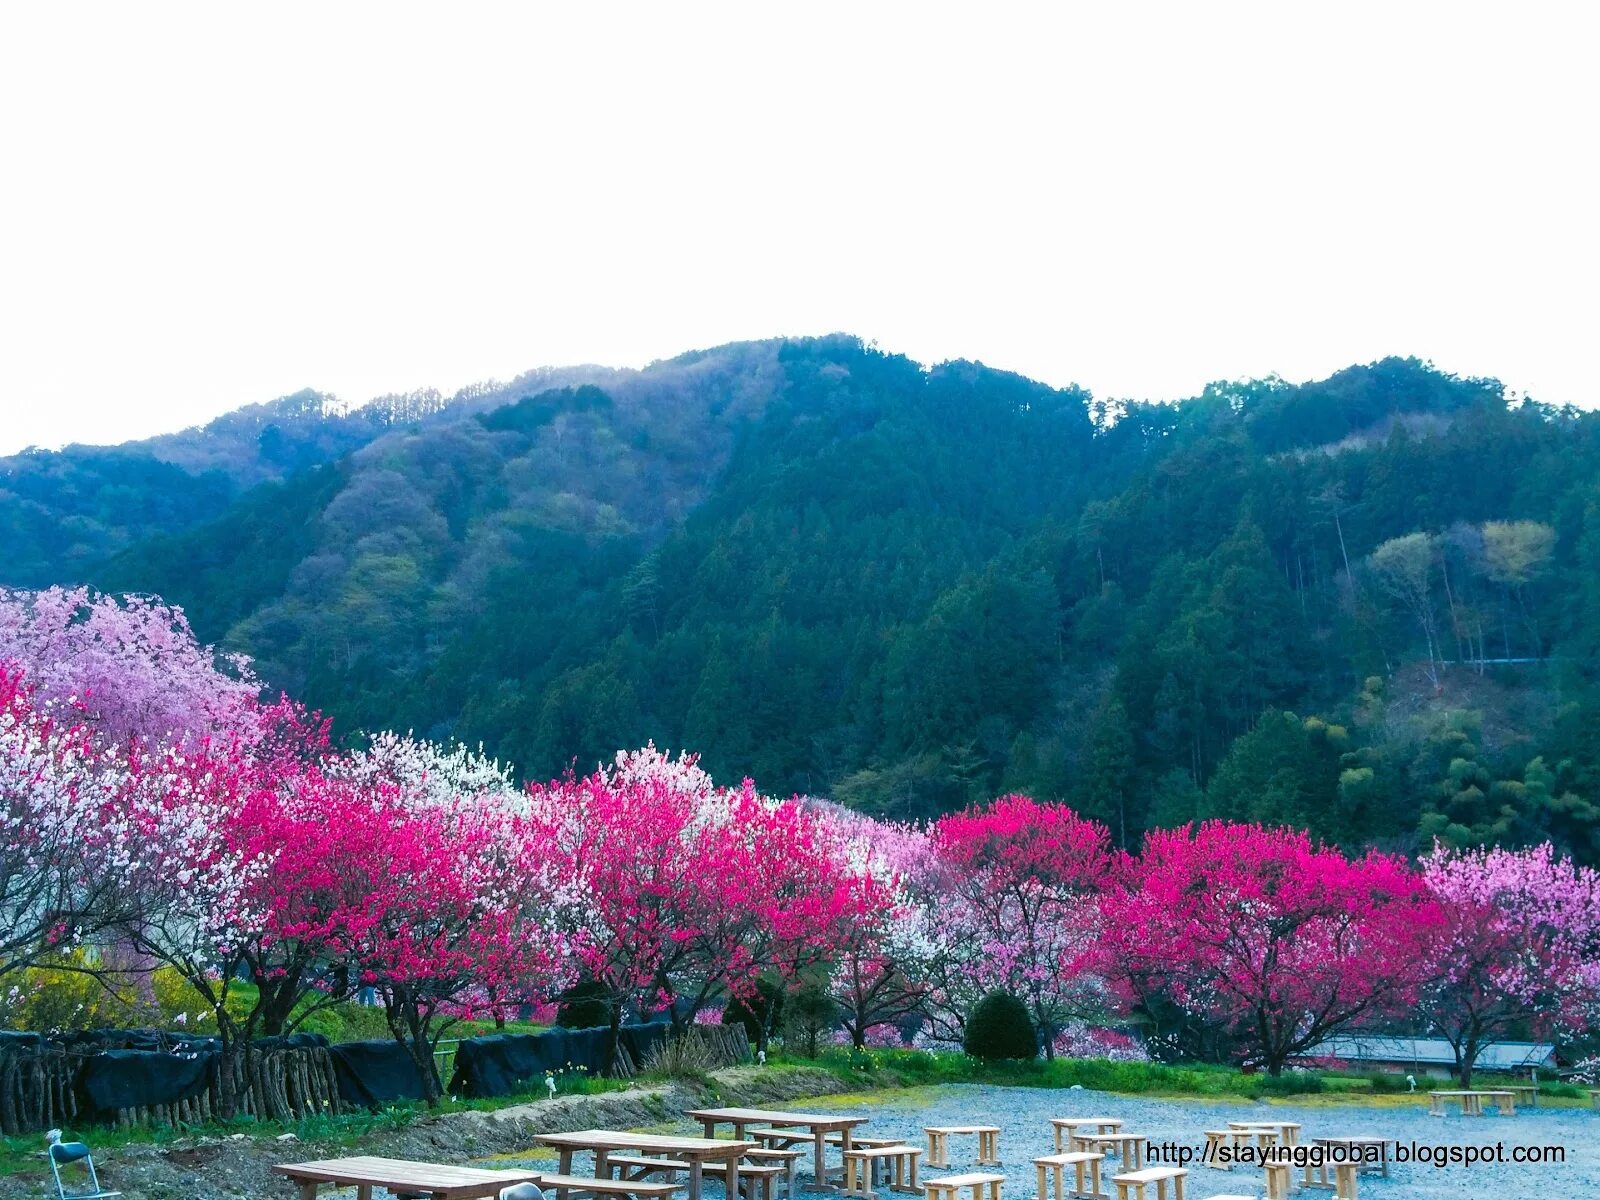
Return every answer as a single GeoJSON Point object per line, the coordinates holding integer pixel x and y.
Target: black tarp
{"type": "Point", "coordinates": [114, 1079]}
{"type": "Point", "coordinates": [504, 1064]}
{"type": "Point", "coordinates": [375, 1073]}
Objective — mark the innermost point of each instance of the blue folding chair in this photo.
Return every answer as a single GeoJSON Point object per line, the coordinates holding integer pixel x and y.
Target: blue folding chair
{"type": "Point", "coordinates": [64, 1154]}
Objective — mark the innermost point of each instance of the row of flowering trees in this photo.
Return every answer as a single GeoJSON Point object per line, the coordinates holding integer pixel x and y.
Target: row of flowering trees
{"type": "Point", "coordinates": [150, 803]}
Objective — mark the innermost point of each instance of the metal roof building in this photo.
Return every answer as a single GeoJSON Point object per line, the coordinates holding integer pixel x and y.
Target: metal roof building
{"type": "Point", "coordinates": [1432, 1053]}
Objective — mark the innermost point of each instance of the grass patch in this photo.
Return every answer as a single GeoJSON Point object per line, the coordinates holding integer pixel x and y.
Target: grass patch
{"type": "Point", "coordinates": [923, 1068]}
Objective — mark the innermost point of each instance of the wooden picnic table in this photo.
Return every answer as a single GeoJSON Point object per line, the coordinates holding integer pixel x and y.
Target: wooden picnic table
{"type": "Point", "coordinates": [400, 1175]}
{"type": "Point", "coordinates": [699, 1153]}
{"type": "Point", "coordinates": [807, 1127]}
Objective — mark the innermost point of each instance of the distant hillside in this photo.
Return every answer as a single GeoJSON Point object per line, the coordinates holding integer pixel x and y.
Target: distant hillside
{"type": "Point", "coordinates": [1369, 604]}
{"type": "Point", "coordinates": [62, 511]}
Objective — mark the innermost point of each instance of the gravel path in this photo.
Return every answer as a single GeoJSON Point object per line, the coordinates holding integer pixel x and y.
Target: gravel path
{"type": "Point", "coordinates": [1023, 1115]}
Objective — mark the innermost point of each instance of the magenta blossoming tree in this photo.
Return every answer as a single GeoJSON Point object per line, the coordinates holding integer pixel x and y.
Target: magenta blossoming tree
{"type": "Point", "coordinates": [1277, 940]}
{"type": "Point", "coordinates": [1516, 946]}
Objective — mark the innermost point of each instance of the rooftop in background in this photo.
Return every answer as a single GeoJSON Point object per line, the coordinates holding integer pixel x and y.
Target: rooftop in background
{"type": "Point", "coordinates": [1433, 1051]}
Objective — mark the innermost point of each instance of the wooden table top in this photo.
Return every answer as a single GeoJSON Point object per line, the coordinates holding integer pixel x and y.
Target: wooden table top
{"type": "Point", "coordinates": [399, 1174]}
{"type": "Point", "coordinates": [961, 1129]}
{"type": "Point", "coordinates": [621, 1139]}
{"type": "Point", "coordinates": [1068, 1122]}
{"type": "Point", "coordinates": [768, 1116]}
{"type": "Point", "coordinates": [1263, 1124]}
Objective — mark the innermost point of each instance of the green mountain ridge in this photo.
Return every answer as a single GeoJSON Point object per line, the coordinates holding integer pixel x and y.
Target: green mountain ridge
{"type": "Point", "coordinates": [845, 574]}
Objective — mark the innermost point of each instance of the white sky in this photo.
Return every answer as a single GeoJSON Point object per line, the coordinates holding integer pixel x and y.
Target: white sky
{"type": "Point", "coordinates": [207, 205]}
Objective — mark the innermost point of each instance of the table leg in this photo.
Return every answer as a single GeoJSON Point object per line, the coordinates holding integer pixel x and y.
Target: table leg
{"type": "Point", "coordinates": [709, 1126]}
{"type": "Point", "coordinates": [566, 1161]}
{"type": "Point", "coordinates": [733, 1179]}
{"type": "Point", "coordinates": [1058, 1139]}
{"type": "Point", "coordinates": [819, 1160]}
{"type": "Point", "coordinates": [602, 1165]}
{"type": "Point", "coordinates": [364, 1191]}
{"type": "Point", "coordinates": [308, 1191]}
{"type": "Point", "coordinates": [694, 1180]}
{"type": "Point", "coordinates": [1039, 1190]}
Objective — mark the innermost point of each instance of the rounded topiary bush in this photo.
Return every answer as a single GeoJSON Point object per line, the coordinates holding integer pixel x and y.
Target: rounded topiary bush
{"type": "Point", "coordinates": [584, 1006]}
{"type": "Point", "coordinates": [999, 1027]}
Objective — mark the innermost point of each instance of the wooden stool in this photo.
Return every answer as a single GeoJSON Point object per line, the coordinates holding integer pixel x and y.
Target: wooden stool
{"type": "Point", "coordinates": [984, 1186]}
{"type": "Point", "coordinates": [1128, 1147]}
{"type": "Point", "coordinates": [1287, 1131]}
{"type": "Point", "coordinates": [1080, 1163]}
{"type": "Point", "coordinates": [1369, 1152]}
{"type": "Point", "coordinates": [1277, 1180]}
{"type": "Point", "coordinates": [1066, 1129]}
{"type": "Point", "coordinates": [863, 1167]}
{"type": "Point", "coordinates": [939, 1143]}
{"type": "Point", "coordinates": [1135, 1184]}
{"type": "Point", "coordinates": [1216, 1139]}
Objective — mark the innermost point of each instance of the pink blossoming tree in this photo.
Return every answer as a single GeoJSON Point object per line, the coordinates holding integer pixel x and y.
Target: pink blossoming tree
{"type": "Point", "coordinates": [1022, 881]}
{"type": "Point", "coordinates": [131, 664]}
{"type": "Point", "coordinates": [1517, 946]}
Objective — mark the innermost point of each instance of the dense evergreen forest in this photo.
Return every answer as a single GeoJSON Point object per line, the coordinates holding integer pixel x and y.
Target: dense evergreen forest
{"type": "Point", "coordinates": [1368, 605]}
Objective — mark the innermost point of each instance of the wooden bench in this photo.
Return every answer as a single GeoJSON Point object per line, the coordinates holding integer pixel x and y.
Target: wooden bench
{"type": "Point", "coordinates": [754, 1180]}
{"type": "Point", "coordinates": [1082, 1163]}
{"type": "Point", "coordinates": [569, 1185]}
{"type": "Point", "coordinates": [866, 1166]}
{"type": "Point", "coordinates": [789, 1160]}
{"type": "Point", "coordinates": [984, 1186]}
{"type": "Point", "coordinates": [1472, 1101]}
{"type": "Point", "coordinates": [939, 1143]}
{"type": "Point", "coordinates": [1135, 1185]}
{"type": "Point", "coordinates": [868, 1143]}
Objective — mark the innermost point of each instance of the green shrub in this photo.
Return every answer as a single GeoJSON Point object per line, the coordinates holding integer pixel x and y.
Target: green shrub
{"type": "Point", "coordinates": [999, 1027]}
{"type": "Point", "coordinates": [584, 1006]}
{"type": "Point", "coordinates": [1387, 1081]}
{"type": "Point", "coordinates": [1290, 1083]}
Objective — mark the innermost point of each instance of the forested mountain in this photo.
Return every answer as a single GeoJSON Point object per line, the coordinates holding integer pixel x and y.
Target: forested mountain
{"type": "Point", "coordinates": [1369, 605]}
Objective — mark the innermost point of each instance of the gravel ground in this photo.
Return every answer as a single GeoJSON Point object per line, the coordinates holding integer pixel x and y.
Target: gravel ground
{"type": "Point", "coordinates": [239, 1169]}
{"type": "Point", "coordinates": [1023, 1115]}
